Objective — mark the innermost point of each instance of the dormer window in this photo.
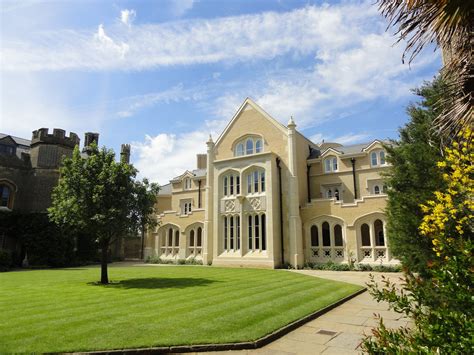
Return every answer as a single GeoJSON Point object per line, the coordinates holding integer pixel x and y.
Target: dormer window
{"type": "Point", "coordinates": [377, 158]}
{"type": "Point", "coordinates": [330, 164]}
{"type": "Point", "coordinates": [248, 146]}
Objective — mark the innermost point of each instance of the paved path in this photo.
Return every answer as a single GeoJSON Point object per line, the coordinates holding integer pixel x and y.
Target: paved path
{"type": "Point", "coordinates": [339, 331]}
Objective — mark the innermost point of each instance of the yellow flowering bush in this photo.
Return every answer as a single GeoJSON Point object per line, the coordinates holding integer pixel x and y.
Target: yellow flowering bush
{"type": "Point", "coordinates": [441, 303]}
{"type": "Point", "coordinates": [449, 217]}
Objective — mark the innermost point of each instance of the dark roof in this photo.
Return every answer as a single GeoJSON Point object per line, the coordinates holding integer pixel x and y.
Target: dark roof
{"type": "Point", "coordinates": [165, 190]}
{"type": "Point", "coordinates": [347, 149]}
{"type": "Point", "coordinates": [18, 140]}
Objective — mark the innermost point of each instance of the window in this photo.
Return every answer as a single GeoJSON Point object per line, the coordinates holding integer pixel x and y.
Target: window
{"type": "Point", "coordinates": [7, 149]}
{"type": "Point", "coordinates": [314, 236]}
{"type": "Point", "coordinates": [338, 235]}
{"type": "Point", "coordinates": [330, 164]}
{"type": "Point", "coordinates": [185, 207]}
{"type": "Point", "coordinates": [231, 184]}
{"type": "Point", "coordinates": [5, 194]}
{"type": "Point", "coordinates": [365, 235]}
{"type": "Point", "coordinates": [231, 233]}
{"type": "Point", "coordinates": [170, 241]}
{"type": "Point", "coordinates": [326, 235]}
{"type": "Point", "coordinates": [378, 230]}
{"type": "Point", "coordinates": [336, 194]}
{"type": "Point", "coordinates": [377, 158]}
{"type": "Point", "coordinates": [187, 184]}
{"type": "Point", "coordinates": [250, 145]}
{"type": "Point", "coordinates": [376, 189]}
{"type": "Point", "coordinates": [329, 193]}
{"type": "Point", "coordinates": [195, 240]}
{"type": "Point", "coordinates": [256, 181]}
{"type": "Point", "coordinates": [239, 150]}
{"type": "Point", "coordinates": [257, 232]}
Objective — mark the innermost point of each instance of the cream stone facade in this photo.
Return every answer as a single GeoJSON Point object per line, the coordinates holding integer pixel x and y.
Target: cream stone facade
{"type": "Point", "coordinates": [264, 195]}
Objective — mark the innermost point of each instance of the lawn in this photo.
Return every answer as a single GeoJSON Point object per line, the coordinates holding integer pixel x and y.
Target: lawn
{"type": "Point", "coordinates": [64, 310]}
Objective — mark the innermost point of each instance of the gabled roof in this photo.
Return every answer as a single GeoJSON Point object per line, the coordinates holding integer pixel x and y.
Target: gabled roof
{"type": "Point", "coordinates": [17, 140]}
{"type": "Point", "coordinates": [253, 104]}
{"type": "Point", "coordinates": [349, 150]}
{"type": "Point", "coordinates": [192, 174]}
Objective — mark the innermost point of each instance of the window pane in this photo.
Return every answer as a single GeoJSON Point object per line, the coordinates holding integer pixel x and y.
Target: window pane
{"type": "Point", "coordinates": [170, 237]}
{"type": "Point", "coordinates": [262, 180]}
{"type": "Point", "coordinates": [176, 239]}
{"type": "Point", "coordinates": [225, 186]}
{"type": "Point", "coordinates": [327, 165]}
{"type": "Point", "coordinates": [374, 158]}
{"type": "Point", "coordinates": [314, 236]}
{"type": "Point", "coordinates": [249, 146]}
{"type": "Point", "coordinates": [326, 235]}
{"type": "Point", "coordinates": [4, 195]}
{"type": "Point", "coordinates": [249, 183]}
{"type": "Point", "coordinates": [250, 233]}
{"type": "Point", "coordinates": [240, 149]}
{"type": "Point", "coordinates": [378, 230]}
{"type": "Point", "coordinates": [382, 157]}
{"type": "Point", "coordinates": [231, 185]}
{"type": "Point", "coordinates": [257, 233]}
{"type": "Point", "coordinates": [334, 164]}
{"type": "Point", "coordinates": [191, 238]}
{"type": "Point", "coordinates": [225, 233]}
{"type": "Point", "coordinates": [199, 237]}
{"type": "Point", "coordinates": [237, 234]}
{"type": "Point", "coordinates": [365, 234]}
{"type": "Point", "coordinates": [336, 194]}
{"type": "Point", "coordinates": [231, 232]}
{"type": "Point", "coordinates": [189, 207]}
{"type": "Point", "coordinates": [237, 184]}
{"type": "Point", "coordinates": [264, 232]}
{"type": "Point", "coordinates": [329, 193]}
{"type": "Point", "coordinates": [338, 235]}
{"type": "Point", "coordinates": [255, 181]}
{"type": "Point", "coordinates": [376, 190]}
{"type": "Point", "coordinates": [258, 146]}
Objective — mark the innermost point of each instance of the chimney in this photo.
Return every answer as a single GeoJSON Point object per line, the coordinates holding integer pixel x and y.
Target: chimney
{"type": "Point", "coordinates": [201, 161]}
{"type": "Point", "coordinates": [125, 153]}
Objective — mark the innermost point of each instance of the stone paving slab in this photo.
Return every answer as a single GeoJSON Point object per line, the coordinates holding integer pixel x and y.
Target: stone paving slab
{"type": "Point", "coordinates": [349, 321]}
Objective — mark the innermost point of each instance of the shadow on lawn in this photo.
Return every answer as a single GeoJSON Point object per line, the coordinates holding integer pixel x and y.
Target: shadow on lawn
{"type": "Point", "coordinates": [157, 283]}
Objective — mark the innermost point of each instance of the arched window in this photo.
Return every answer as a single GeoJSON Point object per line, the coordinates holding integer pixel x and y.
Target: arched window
{"type": "Point", "coordinates": [382, 157]}
{"type": "Point", "coordinates": [314, 236]}
{"type": "Point", "coordinates": [239, 150]}
{"type": "Point", "coordinates": [176, 238]}
{"type": "Point", "coordinates": [199, 237]}
{"type": "Point", "coordinates": [258, 146]}
{"type": "Point", "coordinates": [326, 235]}
{"type": "Point", "coordinates": [249, 146]}
{"type": "Point", "coordinates": [170, 237]}
{"type": "Point", "coordinates": [374, 158]}
{"type": "Point", "coordinates": [231, 184]}
{"type": "Point", "coordinates": [376, 190]}
{"type": "Point", "coordinates": [365, 235]}
{"type": "Point", "coordinates": [338, 236]}
{"type": "Point", "coordinates": [329, 193]}
{"type": "Point", "coordinates": [379, 236]}
{"type": "Point", "coordinates": [264, 231]}
{"type": "Point", "coordinates": [336, 194]}
{"type": "Point", "coordinates": [256, 181]}
{"type": "Point", "coordinates": [5, 194]}
{"type": "Point", "coordinates": [225, 185]}
{"type": "Point", "coordinates": [191, 238]}
{"type": "Point", "coordinates": [384, 189]}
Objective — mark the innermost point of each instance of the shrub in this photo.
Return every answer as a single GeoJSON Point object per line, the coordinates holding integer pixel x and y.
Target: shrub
{"type": "Point", "coordinates": [158, 260]}
{"type": "Point", "coordinates": [5, 260]}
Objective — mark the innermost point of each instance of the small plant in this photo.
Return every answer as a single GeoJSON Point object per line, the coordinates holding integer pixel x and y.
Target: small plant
{"type": "Point", "coordinates": [158, 260]}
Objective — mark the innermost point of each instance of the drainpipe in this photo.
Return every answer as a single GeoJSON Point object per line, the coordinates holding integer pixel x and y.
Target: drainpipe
{"type": "Point", "coordinates": [199, 193]}
{"type": "Point", "coordinates": [353, 161]}
{"type": "Point", "coordinates": [308, 168]}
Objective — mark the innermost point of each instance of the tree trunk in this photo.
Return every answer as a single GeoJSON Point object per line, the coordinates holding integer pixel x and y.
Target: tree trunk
{"type": "Point", "coordinates": [143, 243]}
{"type": "Point", "coordinates": [104, 277]}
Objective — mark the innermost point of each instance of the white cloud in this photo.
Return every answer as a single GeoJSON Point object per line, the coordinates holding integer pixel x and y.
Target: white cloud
{"type": "Point", "coordinates": [127, 17]}
{"type": "Point", "coordinates": [180, 7]}
{"type": "Point", "coordinates": [309, 30]}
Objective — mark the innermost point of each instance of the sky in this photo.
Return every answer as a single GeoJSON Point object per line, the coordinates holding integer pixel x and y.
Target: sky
{"type": "Point", "coordinates": [162, 75]}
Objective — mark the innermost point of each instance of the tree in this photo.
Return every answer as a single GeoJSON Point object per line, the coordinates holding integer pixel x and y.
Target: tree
{"type": "Point", "coordinates": [95, 195]}
{"type": "Point", "coordinates": [413, 177]}
{"type": "Point", "coordinates": [450, 25]}
{"type": "Point", "coordinates": [145, 199]}
{"type": "Point", "coordinates": [442, 304]}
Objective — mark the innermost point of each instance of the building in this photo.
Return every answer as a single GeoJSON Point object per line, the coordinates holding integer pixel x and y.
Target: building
{"type": "Point", "coordinates": [29, 170]}
{"type": "Point", "coordinates": [264, 195]}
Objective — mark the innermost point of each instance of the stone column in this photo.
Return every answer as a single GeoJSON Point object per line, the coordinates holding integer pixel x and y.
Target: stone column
{"type": "Point", "coordinates": [207, 246]}
{"type": "Point", "coordinates": [295, 228]}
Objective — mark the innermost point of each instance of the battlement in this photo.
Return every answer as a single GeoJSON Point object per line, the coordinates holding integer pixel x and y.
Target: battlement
{"type": "Point", "coordinates": [58, 137]}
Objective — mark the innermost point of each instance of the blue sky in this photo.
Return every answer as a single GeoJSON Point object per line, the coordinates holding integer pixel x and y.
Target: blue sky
{"type": "Point", "coordinates": [163, 75]}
